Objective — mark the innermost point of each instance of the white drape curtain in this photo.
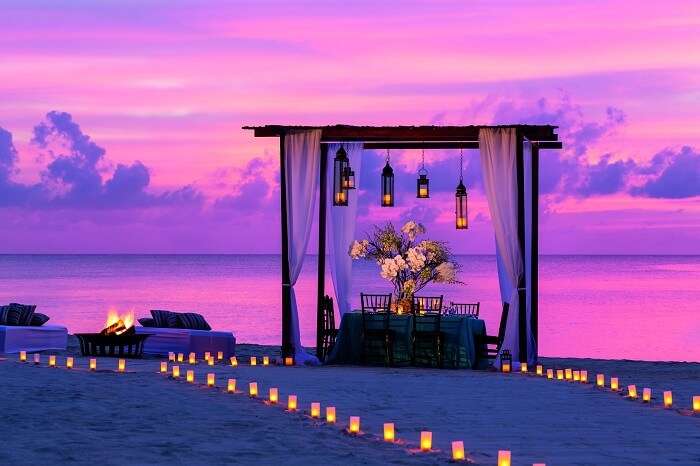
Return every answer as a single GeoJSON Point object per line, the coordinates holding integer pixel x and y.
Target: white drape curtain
{"type": "Point", "coordinates": [498, 163]}
{"type": "Point", "coordinates": [302, 156]}
{"type": "Point", "coordinates": [342, 227]}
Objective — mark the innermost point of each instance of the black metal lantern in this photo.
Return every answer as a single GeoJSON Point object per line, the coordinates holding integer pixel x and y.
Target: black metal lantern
{"type": "Point", "coordinates": [387, 184]}
{"type": "Point", "coordinates": [422, 183]}
{"type": "Point", "coordinates": [461, 214]}
{"type": "Point", "coordinates": [340, 166]}
{"type": "Point", "coordinates": [349, 178]}
{"type": "Point", "coordinates": [506, 361]}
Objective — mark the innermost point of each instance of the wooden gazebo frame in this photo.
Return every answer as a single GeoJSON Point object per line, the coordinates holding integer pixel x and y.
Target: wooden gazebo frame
{"type": "Point", "coordinates": [412, 137]}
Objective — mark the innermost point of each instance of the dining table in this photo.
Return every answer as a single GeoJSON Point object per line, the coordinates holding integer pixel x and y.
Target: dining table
{"type": "Point", "coordinates": [462, 343]}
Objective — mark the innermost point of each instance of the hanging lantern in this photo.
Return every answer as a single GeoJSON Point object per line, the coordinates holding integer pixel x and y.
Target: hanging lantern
{"type": "Point", "coordinates": [349, 178]}
{"type": "Point", "coordinates": [423, 183]}
{"type": "Point", "coordinates": [506, 361]}
{"type": "Point", "coordinates": [387, 184]}
{"type": "Point", "coordinates": [340, 166]}
{"type": "Point", "coordinates": [461, 218]}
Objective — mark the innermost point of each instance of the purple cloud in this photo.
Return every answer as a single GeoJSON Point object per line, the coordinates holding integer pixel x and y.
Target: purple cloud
{"type": "Point", "coordinates": [678, 175]}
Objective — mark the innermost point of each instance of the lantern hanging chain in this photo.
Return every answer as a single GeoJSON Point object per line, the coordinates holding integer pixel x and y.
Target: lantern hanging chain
{"type": "Point", "coordinates": [387, 156]}
{"type": "Point", "coordinates": [461, 165]}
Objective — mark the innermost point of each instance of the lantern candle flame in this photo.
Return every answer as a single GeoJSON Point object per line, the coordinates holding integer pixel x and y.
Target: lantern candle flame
{"type": "Point", "coordinates": [253, 361]}
{"type": "Point", "coordinates": [189, 376]}
{"type": "Point", "coordinates": [632, 391]}
{"type": "Point", "coordinates": [458, 450]}
{"type": "Point", "coordinates": [121, 365]}
{"type": "Point", "coordinates": [354, 427]}
{"type": "Point", "coordinates": [266, 361]}
{"type": "Point", "coordinates": [52, 360]}
{"type": "Point", "coordinates": [584, 376]}
{"type": "Point", "coordinates": [211, 379]}
{"type": "Point", "coordinates": [503, 457]}
{"type": "Point", "coordinates": [69, 362]}
{"type": "Point", "coordinates": [567, 374]}
{"type": "Point", "coordinates": [539, 369]}
{"type": "Point", "coordinates": [193, 358]}
{"type": "Point", "coordinates": [389, 435]}
{"type": "Point", "coordinates": [171, 356]}
{"type": "Point", "coordinates": [523, 367]}
{"type": "Point", "coordinates": [292, 403]}
{"type": "Point", "coordinates": [93, 364]}
{"type": "Point", "coordinates": [550, 373]}
{"type": "Point", "coordinates": [176, 372]}
{"type": "Point", "coordinates": [696, 404]}
{"type": "Point", "coordinates": [426, 440]}
{"type": "Point", "coordinates": [253, 389]}
{"type": "Point", "coordinates": [23, 356]}
{"type": "Point", "coordinates": [560, 374]}
{"type": "Point", "coordinates": [646, 395]}
{"type": "Point", "coordinates": [315, 410]}
{"type": "Point", "coordinates": [163, 367]}
{"type": "Point", "coordinates": [231, 386]}
{"type": "Point", "coordinates": [220, 355]}
{"type": "Point", "coordinates": [614, 384]}
{"type": "Point", "coordinates": [577, 376]}
{"type": "Point", "coordinates": [180, 357]}
{"type": "Point", "coordinates": [600, 380]}
{"type": "Point", "coordinates": [234, 361]}
{"type": "Point", "coordinates": [668, 399]}
{"type": "Point", "coordinates": [330, 414]}
{"type": "Point", "coordinates": [273, 396]}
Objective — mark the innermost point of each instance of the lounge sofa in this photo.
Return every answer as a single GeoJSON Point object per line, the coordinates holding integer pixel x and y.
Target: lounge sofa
{"type": "Point", "coordinates": [23, 329]}
{"type": "Point", "coordinates": [185, 333]}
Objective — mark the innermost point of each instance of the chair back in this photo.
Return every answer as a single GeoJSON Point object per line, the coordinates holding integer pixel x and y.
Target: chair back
{"type": "Point", "coordinates": [376, 310]}
{"type": "Point", "coordinates": [421, 305]}
{"type": "Point", "coordinates": [328, 314]}
{"type": "Point", "coordinates": [465, 309]}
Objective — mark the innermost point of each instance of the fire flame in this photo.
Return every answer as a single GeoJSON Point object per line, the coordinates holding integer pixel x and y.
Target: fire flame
{"type": "Point", "coordinates": [113, 317]}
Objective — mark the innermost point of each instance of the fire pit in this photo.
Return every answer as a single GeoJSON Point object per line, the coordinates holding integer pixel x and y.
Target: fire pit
{"type": "Point", "coordinates": [117, 339]}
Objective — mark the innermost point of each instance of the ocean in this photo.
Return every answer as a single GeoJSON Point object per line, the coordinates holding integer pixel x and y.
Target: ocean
{"type": "Point", "coordinates": [609, 307]}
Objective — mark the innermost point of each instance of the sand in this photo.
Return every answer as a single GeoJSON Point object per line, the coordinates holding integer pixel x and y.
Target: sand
{"type": "Point", "coordinates": [60, 416]}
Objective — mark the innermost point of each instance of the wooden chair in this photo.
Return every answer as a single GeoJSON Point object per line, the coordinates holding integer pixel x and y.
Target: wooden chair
{"type": "Point", "coordinates": [465, 309]}
{"type": "Point", "coordinates": [329, 332]}
{"type": "Point", "coordinates": [428, 337]}
{"type": "Point", "coordinates": [376, 312]}
{"type": "Point", "coordinates": [488, 346]}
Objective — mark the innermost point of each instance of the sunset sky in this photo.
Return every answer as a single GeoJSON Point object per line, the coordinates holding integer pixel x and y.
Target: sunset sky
{"type": "Point", "coordinates": [120, 121]}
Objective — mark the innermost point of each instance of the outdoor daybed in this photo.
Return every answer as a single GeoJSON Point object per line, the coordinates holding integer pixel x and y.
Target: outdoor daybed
{"type": "Point", "coordinates": [183, 333]}
{"type": "Point", "coordinates": [23, 329]}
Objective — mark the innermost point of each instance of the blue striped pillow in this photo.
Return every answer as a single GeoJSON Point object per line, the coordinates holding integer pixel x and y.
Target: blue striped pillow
{"type": "Point", "coordinates": [18, 314]}
{"type": "Point", "coordinates": [194, 321]}
{"type": "Point", "coordinates": [165, 319]}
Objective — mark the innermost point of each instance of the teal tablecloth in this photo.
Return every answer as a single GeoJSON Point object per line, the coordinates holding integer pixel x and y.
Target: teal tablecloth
{"type": "Point", "coordinates": [460, 344]}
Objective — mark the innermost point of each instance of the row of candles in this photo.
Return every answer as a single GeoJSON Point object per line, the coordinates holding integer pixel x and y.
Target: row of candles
{"type": "Point", "coordinates": [582, 377]}
{"type": "Point", "coordinates": [210, 360]}
{"type": "Point", "coordinates": [426, 437]}
{"type": "Point", "coordinates": [70, 361]}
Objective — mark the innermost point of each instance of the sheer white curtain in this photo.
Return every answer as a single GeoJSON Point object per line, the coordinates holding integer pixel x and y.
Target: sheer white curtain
{"type": "Point", "coordinates": [498, 163]}
{"type": "Point", "coordinates": [302, 155]}
{"type": "Point", "coordinates": [342, 227]}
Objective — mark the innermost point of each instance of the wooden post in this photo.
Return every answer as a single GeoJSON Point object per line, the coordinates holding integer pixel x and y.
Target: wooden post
{"type": "Point", "coordinates": [522, 297]}
{"type": "Point", "coordinates": [535, 249]}
{"type": "Point", "coordinates": [287, 346]}
{"type": "Point", "coordinates": [322, 200]}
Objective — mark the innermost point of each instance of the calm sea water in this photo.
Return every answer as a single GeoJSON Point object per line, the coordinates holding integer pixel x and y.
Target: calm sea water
{"type": "Point", "coordinates": [636, 307]}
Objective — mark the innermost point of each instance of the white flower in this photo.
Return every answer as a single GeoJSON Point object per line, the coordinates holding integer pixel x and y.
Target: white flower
{"type": "Point", "coordinates": [416, 259]}
{"type": "Point", "coordinates": [412, 229]}
{"type": "Point", "coordinates": [358, 249]}
{"type": "Point", "coordinates": [389, 269]}
{"type": "Point", "coordinates": [446, 273]}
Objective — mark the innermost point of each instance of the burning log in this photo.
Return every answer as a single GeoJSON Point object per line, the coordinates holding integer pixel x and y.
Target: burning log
{"type": "Point", "coordinates": [114, 328]}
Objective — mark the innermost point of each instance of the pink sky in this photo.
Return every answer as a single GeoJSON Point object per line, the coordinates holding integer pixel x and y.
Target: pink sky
{"type": "Point", "coordinates": [168, 84]}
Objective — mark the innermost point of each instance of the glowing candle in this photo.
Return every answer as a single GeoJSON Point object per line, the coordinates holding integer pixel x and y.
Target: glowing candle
{"type": "Point", "coordinates": [121, 365]}
{"type": "Point", "coordinates": [696, 404]}
{"type": "Point", "coordinates": [584, 376]}
{"type": "Point", "coordinates": [23, 356]}
{"type": "Point", "coordinates": [176, 372]}
{"type": "Point", "coordinates": [550, 373]}
{"type": "Point", "coordinates": [37, 358]}
{"type": "Point", "coordinates": [171, 356]}
{"type": "Point", "coordinates": [389, 432]}
{"type": "Point", "coordinates": [266, 361]}
{"type": "Point", "coordinates": [614, 384]}
{"type": "Point", "coordinates": [505, 366]}
{"type": "Point", "coordinates": [577, 376]}
{"type": "Point", "coordinates": [220, 355]}
{"type": "Point", "coordinates": [193, 358]}
{"type": "Point", "coordinates": [539, 369]}
{"type": "Point", "coordinates": [330, 414]}
{"type": "Point", "coordinates": [354, 427]}
{"type": "Point", "coordinates": [292, 403]}
{"type": "Point", "coordinates": [234, 361]}
{"type": "Point", "coordinates": [231, 386]}
{"type": "Point", "coordinates": [210, 361]}
{"type": "Point", "coordinates": [632, 391]}
{"type": "Point", "coordinates": [93, 364]}
{"type": "Point", "coordinates": [69, 362]}
{"type": "Point", "coordinates": [189, 376]}
{"type": "Point", "coordinates": [253, 389]}
{"type": "Point", "coordinates": [387, 199]}
{"type": "Point", "coordinates": [52, 360]}
{"type": "Point", "coordinates": [164, 367]}
{"type": "Point", "coordinates": [646, 395]}
{"type": "Point", "coordinates": [600, 380]}
{"type": "Point", "coordinates": [503, 457]}
{"type": "Point", "coordinates": [180, 357]}
{"type": "Point", "coordinates": [288, 361]}
{"type": "Point", "coordinates": [458, 450]}
{"type": "Point", "coordinates": [211, 379]}
{"type": "Point", "coordinates": [567, 374]}
{"type": "Point", "coordinates": [426, 440]}
{"type": "Point", "coordinates": [253, 361]}
{"type": "Point", "coordinates": [668, 399]}
{"type": "Point", "coordinates": [560, 374]}
{"type": "Point", "coordinates": [273, 396]}
{"type": "Point", "coordinates": [523, 367]}
{"type": "Point", "coordinates": [207, 355]}
{"type": "Point", "coordinates": [316, 410]}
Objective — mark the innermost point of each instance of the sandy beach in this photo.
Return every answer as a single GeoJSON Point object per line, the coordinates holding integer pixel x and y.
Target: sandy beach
{"type": "Point", "coordinates": [60, 416]}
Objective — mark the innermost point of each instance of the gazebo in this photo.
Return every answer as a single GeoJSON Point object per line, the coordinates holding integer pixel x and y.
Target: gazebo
{"type": "Point", "coordinates": [510, 168]}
